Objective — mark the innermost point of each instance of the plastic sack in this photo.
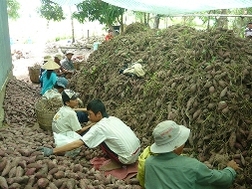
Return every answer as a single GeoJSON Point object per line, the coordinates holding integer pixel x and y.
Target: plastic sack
{"type": "Point", "coordinates": [136, 69]}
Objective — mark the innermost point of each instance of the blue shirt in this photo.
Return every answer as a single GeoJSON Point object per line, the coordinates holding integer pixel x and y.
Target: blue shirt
{"type": "Point", "coordinates": [171, 171]}
{"type": "Point", "coordinates": [48, 83]}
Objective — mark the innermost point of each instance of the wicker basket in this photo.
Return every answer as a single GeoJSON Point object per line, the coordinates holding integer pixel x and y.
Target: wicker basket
{"type": "Point", "coordinates": [44, 118]}
{"type": "Point", "coordinates": [34, 74]}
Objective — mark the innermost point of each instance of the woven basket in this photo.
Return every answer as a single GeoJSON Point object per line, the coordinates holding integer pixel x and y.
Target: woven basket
{"type": "Point", "coordinates": [34, 74]}
{"type": "Point", "coordinates": [44, 118]}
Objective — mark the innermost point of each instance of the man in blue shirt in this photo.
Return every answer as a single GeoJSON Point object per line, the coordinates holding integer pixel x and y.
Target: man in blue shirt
{"type": "Point", "coordinates": [170, 170]}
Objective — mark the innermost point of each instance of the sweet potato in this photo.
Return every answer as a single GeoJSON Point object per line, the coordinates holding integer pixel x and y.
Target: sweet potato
{"type": "Point", "coordinates": [39, 157]}
{"type": "Point", "coordinates": [30, 171]}
{"type": "Point", "coordinates": [22, 163]}
{"type": "Point", "coordinates": [44, 169]}
{"type": "Point", "coordinates": [2, 153]}
{"type": "Point", "coordinates": [53, 170]}
{"type": "Point", "coordinates": [52, 186]}
{"type": "Point", "coordinates": [49, 177]}
{"type": "Point", "coordinates": [24, 152]}
{"type": "Point", "coordinates": [34, 165]}
{"type": "Point", "coordinates": [77, 167]}
{"type": "Point", "coordinates": [15, 186]}
{"type": "Point", "coordinates": [223, 92]}
{"type": "Point", "coordinates": [3, 163]}
{"type": "Point", "coordinates": [15, 162]}
{"type": "Point", "coordinates": [64, 185]}
{"type": "Point", "coordinates": [19, 171]}
{"type": "Point", "coordinates": [12, 172]}
{"type": "Point", "coordinates": [70, 183]}
{"type": "Point", "coordinates": [36, 153]}
{"type": "Point", "coordinates": [83, 184]}
{"type": "Point", "coordinates": [58, 183]}
{"type": "Point", "coordinates": [20, 180]}
{"type": "Point", "coordinates": [59, 175]}
{"type": "Point", "coordinates": [43, 182]}
{"type": "Point", "coordinates": [51, 165]}
{"type": "Point", "coordinates": [7, 168]}
{"type": "Point", "coordinates": [39, 175]}
{"type": "Point", "coordinates": [3, 183]}
{"type": "Point", "coordinates": [232, 140]}
{"type": "Point", "coordinates": [30, 183]}
{"type": "Point", "coordinates": [72, 175]}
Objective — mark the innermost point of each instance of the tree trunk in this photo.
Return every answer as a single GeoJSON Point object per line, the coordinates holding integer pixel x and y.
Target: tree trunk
{"type": "Point", "coordinates": [156, 21]}
{"type": "Point", "coordinates": [72, 25]}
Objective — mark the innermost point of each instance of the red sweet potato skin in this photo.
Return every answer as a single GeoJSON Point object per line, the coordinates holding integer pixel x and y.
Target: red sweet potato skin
{"type": "Point", "coordinates": [43, 182]}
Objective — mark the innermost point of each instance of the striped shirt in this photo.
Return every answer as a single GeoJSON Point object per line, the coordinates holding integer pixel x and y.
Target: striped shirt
{"type": "Point", "coordinates": [67, 64]}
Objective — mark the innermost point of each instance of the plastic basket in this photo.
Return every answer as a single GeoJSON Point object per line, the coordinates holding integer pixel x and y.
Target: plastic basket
{"type": "Point", "coordinates": [34, 74]}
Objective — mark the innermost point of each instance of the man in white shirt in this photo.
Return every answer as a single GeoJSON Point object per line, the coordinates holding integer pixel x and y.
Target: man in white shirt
{"type": "Point", "coordinates": [114, 137]}
{"type": "Point", "coordinates": [248, 30]}
{"type": "Point", "coordinates": [65, 125]}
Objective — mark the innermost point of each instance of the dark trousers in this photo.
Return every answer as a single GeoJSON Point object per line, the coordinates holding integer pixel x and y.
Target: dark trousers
{"type": "Point", "coordinates": [82, 116]}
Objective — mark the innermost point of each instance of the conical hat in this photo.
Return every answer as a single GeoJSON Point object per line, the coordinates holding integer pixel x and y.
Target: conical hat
{"type": "Point", "coordinates": [50, 65]}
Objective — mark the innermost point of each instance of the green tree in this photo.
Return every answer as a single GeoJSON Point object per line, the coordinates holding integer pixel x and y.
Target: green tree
{"type": "Point", "coordinates": [143, 17]}
{"type": "Point", "coordinates": [12, 8]}
{"type": "Point", "coordinates": [51, 11]}
{"type": "Point", "coordinates": [91, 10]}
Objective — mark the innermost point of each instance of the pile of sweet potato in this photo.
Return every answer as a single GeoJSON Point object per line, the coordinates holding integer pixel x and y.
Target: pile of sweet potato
{"type": "Point", "coordinates": [22, 166]}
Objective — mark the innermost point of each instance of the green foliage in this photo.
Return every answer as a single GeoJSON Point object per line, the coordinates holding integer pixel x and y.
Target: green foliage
{"type": "Point", "coordinates": [51, 11]}
{"type": "Point", "coordinates": [91, 10]}
{"type": "Point", "coordinates": [12, 8]}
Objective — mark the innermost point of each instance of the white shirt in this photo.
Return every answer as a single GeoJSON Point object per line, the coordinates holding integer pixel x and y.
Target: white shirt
{"type": "Point", "coordinates": [65, 120]}
{"type": "Point", "coordinates": [118, 137]}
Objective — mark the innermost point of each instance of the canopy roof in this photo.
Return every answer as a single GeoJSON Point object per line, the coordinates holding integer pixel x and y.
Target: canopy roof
{"type": "Point", "coordinates": [170, 7]}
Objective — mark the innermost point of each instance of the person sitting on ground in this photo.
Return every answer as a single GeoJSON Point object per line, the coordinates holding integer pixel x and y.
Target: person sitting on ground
{"type": "Point", "coordinates": [46, 58]}
{"type": "Point", "coordinates": [67, 65]}
{"type": "Point", "coordinates": [56, 91]}
{"type": "Point", "coordinates": [65, 121]}
{"type": "Point", "coordinates": [48, 77]}
{"type": "Point", "coordinates": [57, 59]}
{"type": "Point", "coordinates": [114, 137]}
{"type": "Point", "coordinates": [169, 169]}
{"type": "Point", "coordinates": [109, 36]}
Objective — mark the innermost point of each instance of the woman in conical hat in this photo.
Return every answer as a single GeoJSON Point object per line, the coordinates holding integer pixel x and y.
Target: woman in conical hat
{"type": "Point", "coordinates": [49, 77]}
